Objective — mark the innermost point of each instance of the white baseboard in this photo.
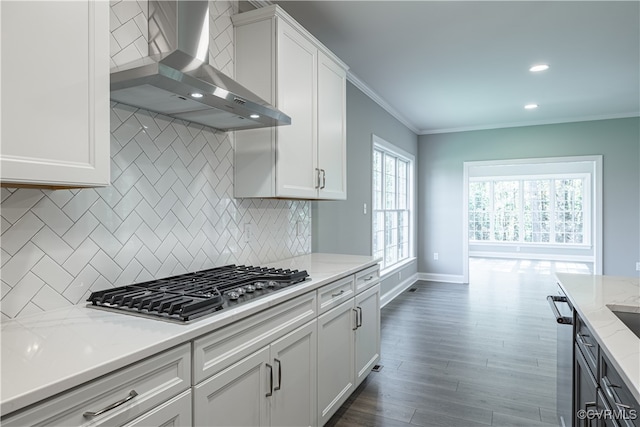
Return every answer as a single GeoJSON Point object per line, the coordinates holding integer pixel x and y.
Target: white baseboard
{"type": "Point", "coordinates": [397, 290]}
{"type": "Point", "coordinates": [448, 278]}
{"type": "Point", "coordinates": [524, 255]}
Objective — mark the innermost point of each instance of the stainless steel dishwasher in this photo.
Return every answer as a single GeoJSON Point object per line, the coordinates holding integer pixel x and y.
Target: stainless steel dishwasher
{"type": "Point", "coordinates": [563, 312]}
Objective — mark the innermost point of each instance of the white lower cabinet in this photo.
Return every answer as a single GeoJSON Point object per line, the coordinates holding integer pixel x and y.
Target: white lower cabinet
{"type": "Point", "coordinates": [335, 359]}
{"type": "Point", "coordinates": [274, 386]}
{"type": "Point", "coordinates": [118, 398]}
{"type": "Point", "coordinates": [174, 413]}
{"type": "Point", "coordinates": [294, 400]}
{"type": "Point", "coordinates": [367, 347]}
{"type": "Point", "coordinates": [235, 396]}
{"type": "Point", "coordinates": [348, 348]}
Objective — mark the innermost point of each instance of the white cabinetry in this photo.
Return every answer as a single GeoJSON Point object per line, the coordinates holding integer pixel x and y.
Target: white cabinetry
{"type": "Point", "coordinates": [348, 338]}
{"type": "Point", "coordinates": [262, 369]}
{"type": "Point", "coordinates": [235, 396]}
{"type": "Point", "coordinates": [121, 397]}
{"type": "Point", "coordinates": [275, 385]}
{"type": "Point", "coordinates": [294, 368]}
{"type": "Point", "coordinates": [367, 347]}
{"type": "Point", "coordinates": [174, 413]}
{"type": "Point", "coordinates": [55, 93]}
{"type": "Point", "coordinates": [335, 359]}
{"type": "Point", "coordinates": [288, 67]}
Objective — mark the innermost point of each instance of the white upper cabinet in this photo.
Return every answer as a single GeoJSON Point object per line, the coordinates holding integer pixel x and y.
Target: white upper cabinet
{"type": "Point", "coordinates": [55, 93]}
{"type": "Point", "coordinates": [286, 66]}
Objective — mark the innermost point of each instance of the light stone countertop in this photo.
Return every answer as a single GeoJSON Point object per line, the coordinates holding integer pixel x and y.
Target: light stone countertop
{"type": "Point", "coordinates": [592, 297]}
{"type": "Point", "coordinates": [51, 352]}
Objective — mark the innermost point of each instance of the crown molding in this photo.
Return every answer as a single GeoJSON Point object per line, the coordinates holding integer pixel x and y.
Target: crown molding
{"type": "Point", "coordinates": [355, 80]}
{"type": "Point", "coordinates": [532, 123]}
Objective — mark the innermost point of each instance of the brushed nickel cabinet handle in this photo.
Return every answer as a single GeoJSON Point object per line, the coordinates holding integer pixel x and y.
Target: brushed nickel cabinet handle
{"type": "Point", "coordinates": [279, 374]}
{"type": "Point", "coordinates": [90, 414]}
{"type": "Point", "coordinates": [338, 293]}
{"type": "Point", "coordinates": [270, 380]}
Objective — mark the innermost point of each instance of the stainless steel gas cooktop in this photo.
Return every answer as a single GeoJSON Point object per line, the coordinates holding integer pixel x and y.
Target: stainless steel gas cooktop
{"type": "Point", "coordinates": [190, 296]}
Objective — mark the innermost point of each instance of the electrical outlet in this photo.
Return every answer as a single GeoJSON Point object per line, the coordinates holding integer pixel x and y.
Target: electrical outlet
{"type": "Point", "coordinates": [299, 228]}
{"type": "Point", "coordinates": [638, 266]}
{"type": "Point", "coordinates": [364, 209]}
{"type": "Point", "coordinates": [435, 256]}
{"type": "Point", "coordinates": [248, 232]}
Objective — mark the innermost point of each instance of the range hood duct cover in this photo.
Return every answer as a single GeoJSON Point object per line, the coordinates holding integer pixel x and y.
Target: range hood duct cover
{"type": "Point", "coordinates": [177, 68]}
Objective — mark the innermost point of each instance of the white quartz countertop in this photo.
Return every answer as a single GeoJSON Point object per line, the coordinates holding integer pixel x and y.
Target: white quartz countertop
{"type": "Point", "coordinates": [594, 297]}
{"type": "Point", "coordinates": [50, 352]}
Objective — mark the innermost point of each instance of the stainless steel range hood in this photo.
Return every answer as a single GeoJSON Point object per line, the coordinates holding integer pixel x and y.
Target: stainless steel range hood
{"type": "Point", "coordinates": [177, 80]}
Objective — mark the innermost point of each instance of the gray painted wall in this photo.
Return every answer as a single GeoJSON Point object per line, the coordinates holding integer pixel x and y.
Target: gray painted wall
{"type": "Point", "coordinates": [341, 226]}
{"type": "Point", "coordinates": [440, 184]}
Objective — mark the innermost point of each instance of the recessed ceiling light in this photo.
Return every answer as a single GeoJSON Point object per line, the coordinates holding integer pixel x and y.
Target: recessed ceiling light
{"type": "Point", "coordinates": [196, 95]}
{"type": "Point", "coordinates": [531, 106]}
{"type": "Point", "coordinates": [539, 67]}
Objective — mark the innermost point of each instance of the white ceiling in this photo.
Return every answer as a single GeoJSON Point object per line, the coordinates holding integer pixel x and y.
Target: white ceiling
{"type": "Point", "coordinates": [441, 66]}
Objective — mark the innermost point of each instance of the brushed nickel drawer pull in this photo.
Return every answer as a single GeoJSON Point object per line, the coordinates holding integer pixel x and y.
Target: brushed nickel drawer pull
{"type": "Point", "coordinates": [338, 294]}
{"type": "Point", "coordinates": [90, 414]}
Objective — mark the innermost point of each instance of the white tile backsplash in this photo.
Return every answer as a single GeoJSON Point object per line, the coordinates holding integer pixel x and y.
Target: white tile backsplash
{"type": "Point", "coordinates": [170, 208]}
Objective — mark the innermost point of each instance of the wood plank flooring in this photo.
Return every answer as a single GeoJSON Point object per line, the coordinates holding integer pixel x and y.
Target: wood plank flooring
{"type": "Point", "coordinates": [482, 354]}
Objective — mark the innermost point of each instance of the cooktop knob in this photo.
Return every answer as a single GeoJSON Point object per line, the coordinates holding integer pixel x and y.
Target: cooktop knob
{"type": "Point", "coordinates": [233, 295]}
{"type": "Point", "coordinates": [240, 291]}
{"type": "Point", "coordinates": [272, 284]}
{"type": "Point", "coordinates": [259, 285]}
{"type": "Point", "coordinates": [250, 289]}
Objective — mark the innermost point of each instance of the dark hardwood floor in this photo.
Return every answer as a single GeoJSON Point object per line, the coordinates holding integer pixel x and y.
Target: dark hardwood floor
{"type": "Point", "coordinates": [466, 355]}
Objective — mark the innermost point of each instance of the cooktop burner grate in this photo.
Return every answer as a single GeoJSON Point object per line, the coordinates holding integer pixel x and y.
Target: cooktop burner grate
{"type": "Point", "coordinates": [188, 296]}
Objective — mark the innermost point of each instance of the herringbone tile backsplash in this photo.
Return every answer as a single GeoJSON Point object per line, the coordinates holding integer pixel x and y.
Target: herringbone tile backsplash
{"type": "Point", "coordinates": [170, 208]}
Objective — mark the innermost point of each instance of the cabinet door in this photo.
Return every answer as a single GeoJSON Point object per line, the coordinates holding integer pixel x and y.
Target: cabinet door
{"type": "Point", "coordinates": [604, 408]}
{"type": "Point", "coordinates": [235, 396]}
{"type": "Point", "coordinates": [335, 359]}
{"type": "Point", "coordinates": [585, 389]}
{"type": "Point", "coordinates": [296, 154]}
{"type": "Point", "coordinates": [332, 147]}
{"type": "Point", "coordinates": [55, 93]}
{"type": "Point", "coordinates": [368, 332]}
{"type": "Point", "coordinates": [294, 398]}
{"type": "Point", "coordinates": [174, 413]}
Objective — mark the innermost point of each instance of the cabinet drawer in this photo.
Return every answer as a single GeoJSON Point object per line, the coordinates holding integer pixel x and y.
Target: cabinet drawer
{"type": "Point", "coordinates": [216, 351]}
{"type": "Point", "coordinates": [588, 345]}
{"type": "Point", "coordinates": [367, 278]}
{"type": "Point", "coordinates": [332, 295]}
{"type": "Point", "coordinates": [618, 395]}
{"type": "Point", "coordinates": [155, 381]}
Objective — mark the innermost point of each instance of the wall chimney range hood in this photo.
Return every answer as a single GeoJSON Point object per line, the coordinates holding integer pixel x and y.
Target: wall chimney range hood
{"type": "Point", "coordinates": [177, 80]}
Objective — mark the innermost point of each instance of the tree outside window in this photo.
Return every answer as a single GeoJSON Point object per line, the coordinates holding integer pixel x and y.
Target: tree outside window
{"type": "Point", "coordinates": [528, 210]}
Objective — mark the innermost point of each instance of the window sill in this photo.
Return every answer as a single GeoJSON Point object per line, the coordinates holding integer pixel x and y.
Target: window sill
{"type": "Point", "coordinates": [532, 245]}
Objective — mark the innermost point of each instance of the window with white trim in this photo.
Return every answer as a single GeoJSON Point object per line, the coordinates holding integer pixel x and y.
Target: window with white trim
{"type": "Point", "coordinates": [392, 204]}
{"type": "Point", "coordinates": [538, 210]}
